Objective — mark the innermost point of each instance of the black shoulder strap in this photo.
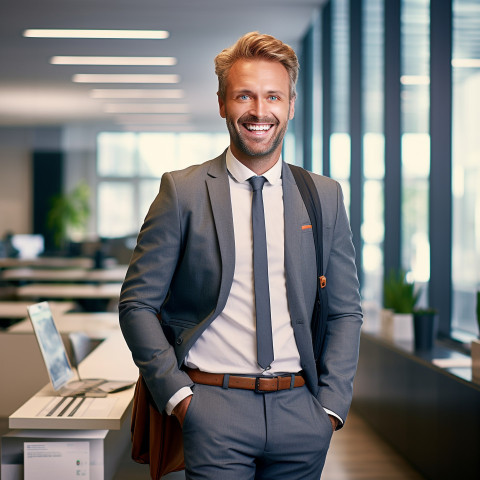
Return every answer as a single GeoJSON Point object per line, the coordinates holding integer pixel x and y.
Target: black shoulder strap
{"type": "Point", "coordinates": [309, 194]}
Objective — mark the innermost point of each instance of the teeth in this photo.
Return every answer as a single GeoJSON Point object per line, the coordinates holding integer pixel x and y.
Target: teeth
{"type": "Point", "coordinates": [258, 127]}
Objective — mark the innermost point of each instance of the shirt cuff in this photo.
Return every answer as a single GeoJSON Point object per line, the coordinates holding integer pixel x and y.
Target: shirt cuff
{"type": "Point", "coordinates": [329, 412]}
{"type": "Point", "coordinates": [183, 393]}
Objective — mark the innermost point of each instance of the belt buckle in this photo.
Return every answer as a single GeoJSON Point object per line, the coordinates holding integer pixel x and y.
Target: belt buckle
{"type": "Point", "coordinates": [257, 386]}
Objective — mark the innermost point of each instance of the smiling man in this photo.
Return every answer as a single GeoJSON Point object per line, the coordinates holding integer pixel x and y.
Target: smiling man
{"type": "Point", "coordinates": [226, 259]}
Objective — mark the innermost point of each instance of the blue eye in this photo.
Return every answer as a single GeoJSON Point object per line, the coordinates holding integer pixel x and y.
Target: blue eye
{"type": "Point", "coordinates": [244, 97]}
{"type": "Point", "coordinates": [273, 97]}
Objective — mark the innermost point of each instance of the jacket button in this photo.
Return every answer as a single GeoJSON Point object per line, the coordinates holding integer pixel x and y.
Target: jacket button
{"type": "Point", "coordinates": [179, 340]}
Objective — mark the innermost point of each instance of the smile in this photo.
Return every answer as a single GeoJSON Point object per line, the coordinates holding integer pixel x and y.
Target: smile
{"type": "Point", "coordinates": [257, 128]}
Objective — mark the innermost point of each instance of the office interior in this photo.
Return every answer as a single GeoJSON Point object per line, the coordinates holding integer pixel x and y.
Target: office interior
{"type": "Point", "coordinates": [388, 104]}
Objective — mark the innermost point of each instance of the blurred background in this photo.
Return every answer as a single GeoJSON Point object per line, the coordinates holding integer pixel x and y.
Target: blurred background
{"type": "Point", "coordinates": [99, 98]}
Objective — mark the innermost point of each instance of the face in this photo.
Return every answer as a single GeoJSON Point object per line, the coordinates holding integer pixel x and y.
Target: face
{"type": "Point", "coordinates": [257, 108]}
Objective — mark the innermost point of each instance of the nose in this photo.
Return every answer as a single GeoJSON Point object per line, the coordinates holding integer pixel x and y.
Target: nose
{"type": "Point", "coordinates": [258, 108]}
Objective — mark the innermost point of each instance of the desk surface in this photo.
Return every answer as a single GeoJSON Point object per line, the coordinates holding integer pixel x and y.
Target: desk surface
{"type": "Point", "coordinates": [47, 262]}
{"type": "Point", "coordinates": [95, 325]}
{"type": "Point", "coordinates": [64, 291]}
{"type": "Point", "coordinates": [111, 360]}
{"type": "Point", "coordinates": [114, 274]}
{"type": "Point", "coordinates": [18, 309]}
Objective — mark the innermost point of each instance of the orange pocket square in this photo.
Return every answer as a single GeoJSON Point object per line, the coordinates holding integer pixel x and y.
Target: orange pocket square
{"type": "Point", "coordinates": [306, 227]}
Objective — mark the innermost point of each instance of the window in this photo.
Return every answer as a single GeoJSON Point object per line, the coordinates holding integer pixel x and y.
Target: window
{"type": "Point", "coordinates": [466, 163]}
{"type": "Point", "coordinates": [373, 144]}
{"type": "Point", "coordinates": [129, 168]}
{"type": "Point", "coordinates": [340, 136]}
{"type": "Point", "coordinates": [415, 143]}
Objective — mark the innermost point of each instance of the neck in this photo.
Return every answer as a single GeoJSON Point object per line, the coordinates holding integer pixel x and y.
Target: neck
{"type": "Point", "coordinates": [258, 164]}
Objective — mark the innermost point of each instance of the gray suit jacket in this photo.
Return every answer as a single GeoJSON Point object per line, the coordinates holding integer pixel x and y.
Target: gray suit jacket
{"type": "Point", "coordinates": [182, 270]}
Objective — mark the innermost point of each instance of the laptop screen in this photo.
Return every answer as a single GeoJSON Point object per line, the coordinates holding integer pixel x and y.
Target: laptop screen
{"type": "Point", "coordinates": [51, 344]}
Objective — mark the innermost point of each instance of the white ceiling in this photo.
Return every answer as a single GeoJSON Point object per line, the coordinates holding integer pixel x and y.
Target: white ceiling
{"type": "Point", "coordinates": [34, 92]}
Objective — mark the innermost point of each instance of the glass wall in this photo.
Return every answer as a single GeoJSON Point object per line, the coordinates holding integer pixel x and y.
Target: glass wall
{"type": "Point", "coordinates": [466, 163]}
{"type": "Point", "coordinates": [415, 140]}
{"type": "Point", "coordinates": [129, 168]}
{"type": "Point", "coordinates": [340, 136]}
{"type": "Point", "coordinates": [373, 146]}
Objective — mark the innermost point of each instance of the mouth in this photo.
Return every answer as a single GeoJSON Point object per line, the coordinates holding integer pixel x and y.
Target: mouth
{"type": "Point", "coordinates": [258, 128]}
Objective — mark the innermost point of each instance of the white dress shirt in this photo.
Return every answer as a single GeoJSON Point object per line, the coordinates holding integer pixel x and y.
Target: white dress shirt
{"type": "Point", "coordinates": [228, 345]}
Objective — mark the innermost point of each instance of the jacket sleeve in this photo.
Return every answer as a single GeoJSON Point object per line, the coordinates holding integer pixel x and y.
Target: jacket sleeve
{"type": "Point", "coordinates": [144, 290]}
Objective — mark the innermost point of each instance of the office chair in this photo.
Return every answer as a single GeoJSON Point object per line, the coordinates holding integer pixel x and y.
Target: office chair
{"type": "Point", "coordinates": [80, 346]}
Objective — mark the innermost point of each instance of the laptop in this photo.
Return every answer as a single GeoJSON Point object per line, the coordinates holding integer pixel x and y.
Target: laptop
{"type": "Point", "coordinates": [56, 360]}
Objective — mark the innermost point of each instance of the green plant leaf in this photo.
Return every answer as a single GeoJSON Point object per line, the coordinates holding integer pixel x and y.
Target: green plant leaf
{"type": "Point", "coordinates": [68, 212]}
{"type": "Point", "coordinates": [398, 294]}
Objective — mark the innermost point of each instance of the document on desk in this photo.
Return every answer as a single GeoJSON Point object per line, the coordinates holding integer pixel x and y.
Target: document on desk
{"type": "Point", "coordinates": [78, 407]}
{"type": "Point", "coordinates": [69, 460]}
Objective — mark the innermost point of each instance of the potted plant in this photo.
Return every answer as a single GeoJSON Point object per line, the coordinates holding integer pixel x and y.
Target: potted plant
{"type": "Point", "coordinates": [476, 347]}
{"type": "Point", "coordinates": [424, 328]}
{"type": "Point", "coordinates": [69, 214]}
{"type": "Point", "coordinates": [399, 300]}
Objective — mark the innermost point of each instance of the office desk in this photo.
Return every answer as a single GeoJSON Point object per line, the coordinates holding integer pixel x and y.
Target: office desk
{"type": "Point", "coordinates": [21, 363]}
{"type": "Point", "coordinates": [114, 274]}
{"type": "Point", "coordinates": [71, 291]}
{"type": "Point", "coordinates": [12, 311]}
{"type": "Point", "coordinates": [111, 359]}
{"type": "Point", "coordinates": [18, 309]}
{"type": "Point", "coordinates": [47, 262]}
{"type": "Point", "coordinates": [108, 436]}
{"type": "Point", "coordinates": [90, 297]}
{"type": "Point", "coordinates": [96, 325]}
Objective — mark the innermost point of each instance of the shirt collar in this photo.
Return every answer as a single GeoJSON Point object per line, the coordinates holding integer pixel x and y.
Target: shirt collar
{"type": "Point", "coordinates": [241, 173]}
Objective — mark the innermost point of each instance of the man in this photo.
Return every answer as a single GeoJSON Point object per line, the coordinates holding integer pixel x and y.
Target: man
{"type": "Point", "coordinates": [245, 414]}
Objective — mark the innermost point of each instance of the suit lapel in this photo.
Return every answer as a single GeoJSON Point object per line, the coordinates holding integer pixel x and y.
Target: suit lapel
{"type": "Point", "coordinates": [219, 196]}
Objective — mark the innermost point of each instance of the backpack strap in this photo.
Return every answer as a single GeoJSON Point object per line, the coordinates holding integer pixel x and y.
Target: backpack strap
{"type": "Point", "coordinates": [310, 197]}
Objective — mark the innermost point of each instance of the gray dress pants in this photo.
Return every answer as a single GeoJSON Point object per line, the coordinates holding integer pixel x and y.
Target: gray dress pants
{"type": "Point", "coordinates": [232, 434]}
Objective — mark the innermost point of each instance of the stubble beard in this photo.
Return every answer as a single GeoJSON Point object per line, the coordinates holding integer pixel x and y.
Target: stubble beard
{"type": "Point", "coordinates": [241, 144]}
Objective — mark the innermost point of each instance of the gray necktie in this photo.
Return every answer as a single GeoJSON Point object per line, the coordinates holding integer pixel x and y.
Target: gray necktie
{"type": "Point", "coordinates": [260, 275]}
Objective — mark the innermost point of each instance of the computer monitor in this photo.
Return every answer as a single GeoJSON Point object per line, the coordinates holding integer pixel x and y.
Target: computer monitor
{"type": "Point", "coordinates": [28, 245]}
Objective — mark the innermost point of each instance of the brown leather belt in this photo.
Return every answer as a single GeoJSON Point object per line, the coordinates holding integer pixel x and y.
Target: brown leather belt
{"type": "Point", "coordinates": [258, 384]}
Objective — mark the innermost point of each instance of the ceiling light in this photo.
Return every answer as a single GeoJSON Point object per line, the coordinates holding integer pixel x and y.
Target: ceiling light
{"type": "Point", "coordinates": [135, 93]}
{"type": "Point", "coordinates": [152, 119]}
{"type": "Point", "coordinates": [74, 33]}
{"type": "Point", "coordinates": [137, 61]}
{"type": "Point", "coordinates": [466, 62]}
{"type": "Point", "coordinates": [415, 80]}
{"type": "Point", "coordinates": [124, 78]}
{"type": "Point", "coordinates": [145, 108]}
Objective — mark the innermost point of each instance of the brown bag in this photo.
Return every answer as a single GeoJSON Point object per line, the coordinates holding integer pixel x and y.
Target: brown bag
{"type": "Point", "coordinates": [156, 436]}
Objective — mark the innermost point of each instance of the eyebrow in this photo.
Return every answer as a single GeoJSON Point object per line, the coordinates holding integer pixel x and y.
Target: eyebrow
{"type": "Point", "coordinates": [278, 93]}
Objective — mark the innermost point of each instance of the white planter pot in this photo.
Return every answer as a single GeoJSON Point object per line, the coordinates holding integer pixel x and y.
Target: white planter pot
{"type": "Point", "coordinates": [396, 326]}
{"type": "Point", "coordinates": [386, 324]}
{"type": "Point", "coordinates": [403, 326]}
{"type": "Point", "coordinates": [476, 361]}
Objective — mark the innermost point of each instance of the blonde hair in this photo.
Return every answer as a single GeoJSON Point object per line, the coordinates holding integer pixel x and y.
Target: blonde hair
{"type": "Point", "coordinates": [254, 45]}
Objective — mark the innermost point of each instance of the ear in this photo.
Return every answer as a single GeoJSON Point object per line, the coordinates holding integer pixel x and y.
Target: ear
{"type": "Point", "coordinates": [221, 105]}
{"type": "Point", "coordinates": [291, 112]}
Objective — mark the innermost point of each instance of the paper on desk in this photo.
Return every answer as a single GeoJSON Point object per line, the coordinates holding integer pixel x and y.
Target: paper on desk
{"type": "Point", "coordinates": [69, 460]}
{"type": "Point", "coordinates": [453, 362]}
